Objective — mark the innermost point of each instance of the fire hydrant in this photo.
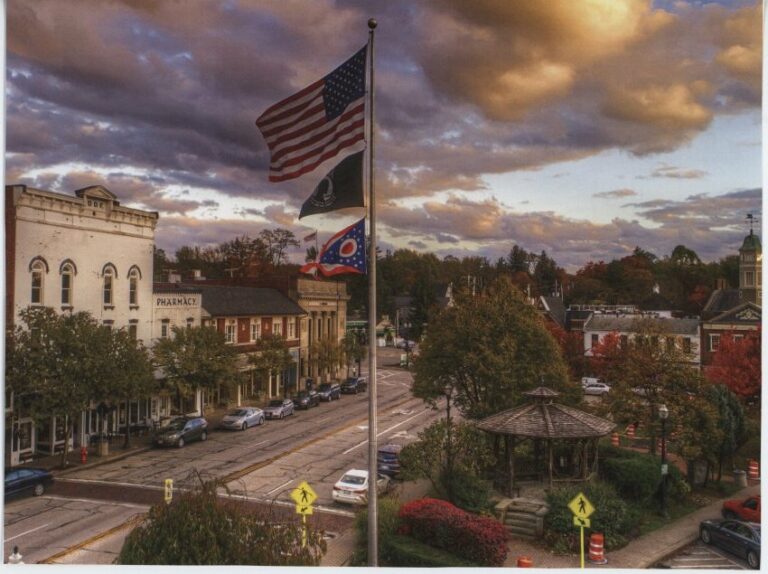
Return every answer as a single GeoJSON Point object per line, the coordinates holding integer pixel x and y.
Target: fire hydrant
{"type": "Point", "coordinates": [15, 558]}
{"type": "Point", "coordinates": [83, 454]}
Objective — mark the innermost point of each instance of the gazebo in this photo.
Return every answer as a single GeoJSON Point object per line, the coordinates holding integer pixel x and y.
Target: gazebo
{"type": "Point", "coordinates": [544, 420]}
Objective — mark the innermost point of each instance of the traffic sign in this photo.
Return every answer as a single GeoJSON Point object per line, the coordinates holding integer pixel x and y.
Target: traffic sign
{"type": "Point", "coordinates": [168, 490]}
{"type": "Point", "coordinates": [583, 522]}
{"type": "Point", "coordinates": [303, 509]}
{"type": "Point", "coordinates": [580, 506]}
{"type": "Point", "coordinates": [303, 495]}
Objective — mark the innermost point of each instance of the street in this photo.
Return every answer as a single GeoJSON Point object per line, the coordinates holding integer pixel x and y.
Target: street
{"type": "Point", "coordinates": [704, 556]}
{"type": "Point", "coordinates": [262, 463]}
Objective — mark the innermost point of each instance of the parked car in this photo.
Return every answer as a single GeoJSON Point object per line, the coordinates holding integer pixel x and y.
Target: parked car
{"type": "Point", "coordinates": [352, 487]}
{"type": "Point", "coordinates": [388, 459]}
{"type": "Point", "coordinates": [306, 399]}
{"type": "Point", "coordinates": [590, 381]}
{"type": "Point", "coordinates": [598, 389]}
{"type": "Point", "coordinates": [406, 344]}
{"type": "Point", "coordinates": [743, 509]}
{"type": "Point", "coordinates": [279, 408]}
{"type": "Point", "coordinates": [26, 481]}
{"type": "Point", "coordinates": [354, 385]}
{"type": "Point", "coordinates": [242, 418]}
{"type": "Point", "coordinates": [180, 431]}
{"type": "Point", "coordinates": [734, 536]}
{"type": "Point", "coordinates": [329, 391]}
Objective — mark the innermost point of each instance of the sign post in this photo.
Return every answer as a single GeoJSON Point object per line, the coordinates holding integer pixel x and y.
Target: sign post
{"type": "Point", "coordinates": [303, 496]}
{"type": "Point", "coordinates": [581, 508]}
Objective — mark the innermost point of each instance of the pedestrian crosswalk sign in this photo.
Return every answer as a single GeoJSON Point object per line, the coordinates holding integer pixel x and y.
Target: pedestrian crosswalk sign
{"type": "Point", "coordinates": [303, 495]}
{"type": "Point", "coordinates": [580, 506]}
{"type": "Point", "coordinates": [582, 522]}
{"type": "Point", "coordinates": [303, 509]}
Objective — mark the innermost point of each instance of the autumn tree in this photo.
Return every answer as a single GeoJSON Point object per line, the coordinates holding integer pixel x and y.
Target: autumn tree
{"type": "Point", "coordinates": [353, 350]}
{"type": "Point", "coordinates": [271, 357]}
{"type": "Point", "coordinates": [490, 349]}
{"type": "Point", "coordinates": [737, 364]}
{"type": "Point", "coordinates": [195, 359]}
{"type": "Point", "coordinates": [326, 355]}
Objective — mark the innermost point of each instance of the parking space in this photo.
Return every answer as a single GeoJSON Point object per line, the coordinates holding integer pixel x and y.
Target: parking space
{"type": "Point", "coordinates": [700, 556]}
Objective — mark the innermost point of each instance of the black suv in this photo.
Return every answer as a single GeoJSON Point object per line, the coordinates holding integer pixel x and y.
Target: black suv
{"type": "Point", "coordinates": [306, 399]}
{"type": "Point", "coordinates": [180, 431]}
{"type": "Point", "coordinates": [354, 385]}
{"type": "Point", "coordinates": [329, 391]}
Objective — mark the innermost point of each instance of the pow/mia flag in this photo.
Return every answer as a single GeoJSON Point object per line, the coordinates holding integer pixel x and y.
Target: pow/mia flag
{"type": "Point", "coordinates": [342, 187]}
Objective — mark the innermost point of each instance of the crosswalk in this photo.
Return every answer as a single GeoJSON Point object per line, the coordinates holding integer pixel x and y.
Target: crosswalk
{"type": "Point", "coordinates": [699, 556]}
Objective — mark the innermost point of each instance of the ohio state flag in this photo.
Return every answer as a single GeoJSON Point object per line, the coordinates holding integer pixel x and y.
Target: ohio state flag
{"type": "Point", "coordinates": [342, 253]}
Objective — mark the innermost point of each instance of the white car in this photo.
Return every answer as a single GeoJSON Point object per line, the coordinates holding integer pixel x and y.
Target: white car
{"type": "Point", "coordinates": [597, 389]}
{"type": "Point", "coordinates": [352, 488]}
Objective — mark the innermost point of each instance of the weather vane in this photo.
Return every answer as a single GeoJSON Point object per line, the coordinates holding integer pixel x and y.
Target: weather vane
{"type": "Point", "coordinates": [751, 219]}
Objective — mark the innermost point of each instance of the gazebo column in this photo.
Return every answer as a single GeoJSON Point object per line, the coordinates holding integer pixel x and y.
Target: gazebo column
{"type": "Point", "coordinates": [510, 448]}
{"type": "Point", "coordinates": [550, 446]}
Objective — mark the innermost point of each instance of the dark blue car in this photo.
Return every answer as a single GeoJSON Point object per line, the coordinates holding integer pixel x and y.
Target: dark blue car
{"type": "Point", "coordinates": [734, 536]}
{"type": "Point", "coordinates": [354, 385]}
{"type": "Point", "coordinates": [26, 481]}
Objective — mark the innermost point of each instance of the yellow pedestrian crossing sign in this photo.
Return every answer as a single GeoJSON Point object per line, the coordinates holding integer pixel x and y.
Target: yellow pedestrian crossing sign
{"type": "Point", "coordinates": [580, 506]}
{"type": "Point", "coordinates": [303, 495]}
{"type": "Point", "coordinates": [303, 509]}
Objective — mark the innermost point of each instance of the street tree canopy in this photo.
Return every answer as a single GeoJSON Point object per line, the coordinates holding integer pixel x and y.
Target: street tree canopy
{"type": "Point", "coordinates": [271, 356]}
{"type": "Point", "coordinates": [489, 349]}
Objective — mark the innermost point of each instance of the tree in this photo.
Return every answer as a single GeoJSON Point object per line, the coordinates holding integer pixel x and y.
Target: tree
{"type": "Point", "coordinates": [271, 356]}
{"type": "Point", "coordinates": [56, 363]}
{"type": "Point", "coordinates": [198, 528]}
{"type": "Point", "coordinates": [490, 348]}
{"type": "Point", "coordinates": [195, 358]}
{"type": "Point", "coordinates": [277, 241]}
{"type": "Point", "coordinates": [242, 253]}
{"type": "Point", "coordinates": [326, 355]}
{"type": "Point", "coordinates": [737, 364]}
{"type": "Point", "coordinates": [353, 350]}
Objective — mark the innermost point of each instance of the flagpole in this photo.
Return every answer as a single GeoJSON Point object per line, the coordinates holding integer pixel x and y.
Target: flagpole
{"type": "Point", "coordinates": [373, 533]}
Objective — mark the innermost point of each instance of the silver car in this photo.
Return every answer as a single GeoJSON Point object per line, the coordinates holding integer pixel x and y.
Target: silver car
{"type": "Point", "coordinates": [279, 408]}
{"type": "Point", "coordinates": [242, 418]}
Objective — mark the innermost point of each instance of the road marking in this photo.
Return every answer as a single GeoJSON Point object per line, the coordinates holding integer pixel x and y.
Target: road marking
{"type": "Point", "coordinates": [362, 427]}
{"type": "Point", "coordinates": [111, 483]}
{"type": "Point", "coordinates": [91, 501]}
{"type": "Point", "coordinates": [281, 486]}
{"type": "Point", "coordinates": [25, 533]}
{"type": "Point", "coordinates": [258, 443]}
{"type": "Point", "coordinates": [385, 431]}
{"type": "Point", "coordinates": [132, 521]}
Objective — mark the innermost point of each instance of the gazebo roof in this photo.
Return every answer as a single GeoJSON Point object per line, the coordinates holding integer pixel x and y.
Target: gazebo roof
{"type": "Point", "coordinates": [547, 420]}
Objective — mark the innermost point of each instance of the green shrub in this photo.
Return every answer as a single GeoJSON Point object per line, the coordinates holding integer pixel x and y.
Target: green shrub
{"type": "Point", "coordinates": [389, 522]}
{"type": "Point", "coordinates": [406, 552]}
{"type": "Point", "coordinates": [634, 478]}
{"type": "Point", "coordinates": [468, 491]}
{"type": "Point", "coordinates": [612, 517]}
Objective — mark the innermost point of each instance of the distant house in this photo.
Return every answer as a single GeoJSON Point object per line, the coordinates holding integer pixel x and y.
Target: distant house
{"type": "Point", "coordinates": [442, 297]}
{"type": "Point", "coordinates": [682, 333]}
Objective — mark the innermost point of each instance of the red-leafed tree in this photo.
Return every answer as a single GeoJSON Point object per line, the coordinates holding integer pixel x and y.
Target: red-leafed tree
{"type": "Point", "coordinates": [736, 364]}
{"type": "Point", "coordinates": [572, 347]}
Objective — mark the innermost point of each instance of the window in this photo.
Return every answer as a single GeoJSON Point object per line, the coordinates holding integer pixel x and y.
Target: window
{"type": "Point", "coordinates": [255, 330]}
{"type": "Point", "coordinates": [67, 273]}
{"type": "Point", "coordinates": [687, 345]}
{"type": "Point", "coordinates": [36, 297]}
{"type": "Point", "coordinates": [749, 278]}
{"type": "Point", "coordinates": [133, 287]}
{"type": "Point", "coordinates": [291, 328]}
{"type": "Point", "coordinates": [108, 324]}
{"type": "Point", "coordinates": [133, 330]}
{"type": "Point", "coordinates": [595, 339]}
{"type": "Point", "coordinates": [164, 326]}
{"type": "Point", "coordinates": [109, 286]}
{"type": "Point", "coordinates": [714, 342]}
{"type": "Point", "coordinates": [229, 332]}
{"type": "Point", "coordinates": [190, 322]}
{"type": "Point", "coordinates": [277, 327]}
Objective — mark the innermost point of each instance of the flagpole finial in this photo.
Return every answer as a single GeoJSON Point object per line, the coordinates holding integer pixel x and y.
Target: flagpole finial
{"type": "Point", "coordinates": [372, 23]}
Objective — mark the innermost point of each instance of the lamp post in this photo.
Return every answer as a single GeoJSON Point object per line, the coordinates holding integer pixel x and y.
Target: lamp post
{"type": "Point", "coordinates": [663, 414]}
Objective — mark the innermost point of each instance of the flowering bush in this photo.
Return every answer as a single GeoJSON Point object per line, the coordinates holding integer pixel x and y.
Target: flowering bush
{"type": "Point", "coordinates": [442, 525]}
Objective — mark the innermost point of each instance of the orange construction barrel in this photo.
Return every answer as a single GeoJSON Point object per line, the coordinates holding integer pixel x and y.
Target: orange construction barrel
{"type": "Point", "coordinates": [524, 562]}
{"type": "Point", "coordinates": [753, 472]}
{"type": "Point", "coordinates": [596, 549]}
{"type": "Point", "coordinates": [615, 439]}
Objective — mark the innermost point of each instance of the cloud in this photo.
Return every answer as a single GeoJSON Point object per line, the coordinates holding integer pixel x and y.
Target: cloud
{"type": "Point", "coordinates": [616, 193]}
{"type": "Point", "coordinates": [678, 173]}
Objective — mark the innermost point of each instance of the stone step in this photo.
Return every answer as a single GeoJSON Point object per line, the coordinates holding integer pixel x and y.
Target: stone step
{"type": "Point", "coordinates": [522, 532]}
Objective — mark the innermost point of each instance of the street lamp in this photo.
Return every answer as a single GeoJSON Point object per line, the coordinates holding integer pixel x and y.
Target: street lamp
{"type": "Point", "coordinates": [663, 414]}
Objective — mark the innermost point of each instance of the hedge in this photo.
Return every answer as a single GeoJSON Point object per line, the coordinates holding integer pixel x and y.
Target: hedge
{"type": "Point", "coordinates": [637, 476]}
{"type": "Point", "coordinates": [405, 551]}
{"type": "Point", "coordinates": [442, 525]}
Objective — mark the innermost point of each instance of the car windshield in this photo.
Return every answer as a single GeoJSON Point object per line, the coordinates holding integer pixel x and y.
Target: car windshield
{"type": "Point", "coordinates": [324, 387]}
{"type": "Point", "coordinates": [276, 403]}
{"type": "Point", "coordinates": [301, 395]}
{"type": "Point", "coordinates": [238, 413]}
{"type": "Point", "coordinates": [351, 381]}
{"type": "Point", "coordinates": [177, 424]}
{"type": "Point", "coordinates": [353, 479]}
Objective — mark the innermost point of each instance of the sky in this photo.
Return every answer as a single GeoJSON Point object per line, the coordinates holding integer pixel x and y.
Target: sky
{"type": "Point", "coordinates": [581, 128]}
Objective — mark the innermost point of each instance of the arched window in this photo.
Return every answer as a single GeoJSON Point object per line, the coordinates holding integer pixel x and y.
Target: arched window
{"type": "Point", "coordinates": [38, 270]}
{"type": "Point", "coordinates": [133, 287]}
{"type": "Point", "coordinates": [109, 274]}
{"type": "Point", "coordinates": [67, 284]}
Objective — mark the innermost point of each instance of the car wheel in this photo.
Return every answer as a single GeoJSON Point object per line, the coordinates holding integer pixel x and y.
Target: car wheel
{"type": "Point", "coordinates": [204, 436]}
{"type": "Point", "coordinates": [245, 426]}
{"type": "Point", "coordinates": [261, 421]}
{"type": "Point", "coordinates": [753, 560]}
{"type": "Point", "coordinates": [39, 489]}
{"type": "Point", "coordinates": [181, 443]}
{"type": "Point", "coordinates": [281, 416]}
{"type": "Point", "coordinates": [706, 537]}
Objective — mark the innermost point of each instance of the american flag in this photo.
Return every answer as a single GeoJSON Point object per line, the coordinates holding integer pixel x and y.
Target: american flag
{"type": "Point", "coordinates": [315, 124]}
